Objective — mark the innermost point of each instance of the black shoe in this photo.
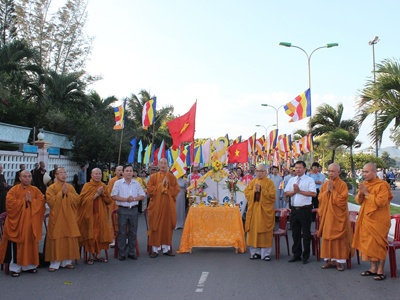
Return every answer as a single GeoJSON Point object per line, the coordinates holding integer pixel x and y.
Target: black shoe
{"type": "Point", "coordinates": [132, 256]}
{"type": "Point", "coordinates": [305, 261]}
{"type": "Point", "coordinates": [122, 258]}
{"type": "Point", "coordinates": [294, 259]}
{"type": "Point", "coordinates": [267, 258]}
{"type": "Point", "coordinates": [255, 256]}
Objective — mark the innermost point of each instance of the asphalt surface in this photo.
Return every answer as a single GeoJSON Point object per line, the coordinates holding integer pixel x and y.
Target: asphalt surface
{"type": "Point", "coordinates": [230, 276]}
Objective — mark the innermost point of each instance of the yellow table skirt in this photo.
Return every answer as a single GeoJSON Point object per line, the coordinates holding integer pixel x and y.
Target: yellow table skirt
{"type": "Point", "coordinates": [213, 227]}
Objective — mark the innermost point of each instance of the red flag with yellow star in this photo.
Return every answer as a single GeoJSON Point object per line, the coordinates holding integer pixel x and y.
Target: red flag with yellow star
{"type": "Point", "coordinates": [182, 128]}
{"type": "Point", "coordinates": [238, 153]}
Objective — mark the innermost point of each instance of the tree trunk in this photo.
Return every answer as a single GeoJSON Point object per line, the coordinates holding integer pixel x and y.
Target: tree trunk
{"type": "Point", "coordinates": [333, 156]}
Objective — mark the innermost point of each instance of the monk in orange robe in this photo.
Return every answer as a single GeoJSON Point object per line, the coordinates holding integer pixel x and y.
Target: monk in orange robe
{"type": "Point", "coordinates": [373, 221]}
{"type": "Point", "coordinates": [163, 189]}
{"type": "Point", "coordinates": [119, 173]}
{"type": "Point", "coordinates": [335, 228]}
{"type": "Point", "coordinates": [62, 244]}
{"type": "Point", "coordinates": [93, 213]}
{"type": "Point", "coordinates": [260, 217]}
{"type": "Point", "coordinates": [25, 207]}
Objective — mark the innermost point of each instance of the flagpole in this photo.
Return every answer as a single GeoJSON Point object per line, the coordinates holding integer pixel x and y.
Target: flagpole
{"type": "Point", "coordinates": [120, 143]}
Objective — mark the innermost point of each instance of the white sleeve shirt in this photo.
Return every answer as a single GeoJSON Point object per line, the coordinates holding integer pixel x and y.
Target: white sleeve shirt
{"type": "Point", "coordinates": [306, 184]}
{"type": "Point", "coordinates": [123, 189]}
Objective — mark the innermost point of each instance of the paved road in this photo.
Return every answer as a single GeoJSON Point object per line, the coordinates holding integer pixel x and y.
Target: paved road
{"type": "Point", "coordinates": [231, 276]}
{"type": "Point", "coordinates": [396, 195]}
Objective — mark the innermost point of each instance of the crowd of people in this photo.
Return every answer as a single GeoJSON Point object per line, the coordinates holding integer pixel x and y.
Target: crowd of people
{"type": "Point", "coordinates": [80, 215]}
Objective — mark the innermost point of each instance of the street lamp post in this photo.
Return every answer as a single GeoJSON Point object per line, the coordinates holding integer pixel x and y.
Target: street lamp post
{"type": "Point", "coordinates": [276, 111]}
{"type": "Point", "coordinates": [266, 128]}
{"type": "Point", "coordinates": [372, 43]}
{"type": "Point", "coordinates": [309, 71]}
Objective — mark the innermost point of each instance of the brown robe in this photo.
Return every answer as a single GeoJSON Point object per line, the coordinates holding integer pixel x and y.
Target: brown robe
{"type": "Point", "coordinates": [260, 217]}
{"type": "Point", "coordinates": [162, 208]}
{"type": "Point", "coordinates": [23, 225]}
{"type": "Point", "coordinates": [335, 228]}
{"type": "Point", "coordinates": [93, 218]}
{"type": "Point", "coordinates": [62, 230]}
{"type": "Point", "coordinates": [373, 221]}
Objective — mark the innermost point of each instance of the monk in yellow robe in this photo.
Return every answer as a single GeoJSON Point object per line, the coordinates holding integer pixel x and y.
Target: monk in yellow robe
{"type": "Point", "coordinates": [335, 228]}
{"type": "Point", "coordinates": [62, 244]}
{"type": "Point", "coordinates": [93, 214]}
{"type": "Point", "coordinates": [163, 189]}
{"type": "Point", "coordinates": [25, 207]}
{"type": "Point", "coordinates": [119, 171]}
{"type": "Point", "coordinates": [260, 217]}
{"type": "Point", "coordinates": [373, 221]}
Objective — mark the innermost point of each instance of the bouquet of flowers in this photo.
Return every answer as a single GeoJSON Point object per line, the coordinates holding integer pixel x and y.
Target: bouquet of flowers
{"type": "Point", "coordinates": [217, 166]}
{"type": "Point", "coordinates": [231, 184]}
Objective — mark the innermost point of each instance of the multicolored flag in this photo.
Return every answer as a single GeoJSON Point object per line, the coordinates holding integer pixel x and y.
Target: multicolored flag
{"type": "Point", "coordinates": [270, 142]}
{"type": "Point", "coordinates": [285, 143]}
{"type": "Point", "coordinates": [238, 140]}
{"type": "Point", "coordinates": [119, 113]}
{"type": "Point", "coordinates": [149, 113]}
{"type": "Point", "coordinates": [251, 143]}
{"type": "Point", "coordinates": [178, 168]}
{"type": "Point", "coordinates": [300, 107]}
{"type": "Point", "coordinates": [308, 143]}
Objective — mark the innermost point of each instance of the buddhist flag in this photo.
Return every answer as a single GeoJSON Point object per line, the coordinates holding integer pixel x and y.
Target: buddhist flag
{"type": "Point", "coordinates": [307, 143]}
{"type": "Point", "coordinates": [300, 107]}
{"type": "Point", "coordinates": [238, 140]}
{"type": "Point", "coordinates": [270, 142]}
{"type": "Point", "coordinates": [119, 113]}
{"type": "Point", "coordinates": [250, 143]}
{"type": "Point", "coordinates": [131, 157]}
{"type": "Point", "coordinates": [182, 128]}
{"type": "Point", "coordinates": [149, 113]}
{"type": "Point", "coordinates": [282, 185]}
{"type": "Point", "coordinates": [238, 153]}
{"type": "Point", "coordinates": [285, 144]}
{"type": "Point", "coordinates": [178, 168]}
{"type": "Point", "coordinates": [297, 148]}
{"type": "Point", "coordinates": [174, 152]}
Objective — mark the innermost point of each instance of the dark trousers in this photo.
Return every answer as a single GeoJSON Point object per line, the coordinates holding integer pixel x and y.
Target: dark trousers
{"type": "Point", "coordinates": [300, 221]}
{"type": "Point", "coordinates": [315, 204]}
{"type": "Point", "coordinates": [127, 218]}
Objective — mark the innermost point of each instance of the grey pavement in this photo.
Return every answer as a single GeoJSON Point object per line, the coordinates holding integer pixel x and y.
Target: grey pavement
{"type": "Point", "coordinates": [231, 276]}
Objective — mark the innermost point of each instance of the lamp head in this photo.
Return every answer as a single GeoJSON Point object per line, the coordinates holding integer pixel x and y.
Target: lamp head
{"type": "Point", "coordinates": [332, 45]}
{"type": "Point", "coordinates": [264, 104]}
{"type": "Point", "coordinates": [374, 41]}
{"type": "Point", "coordinates": [285, 44]}
{"type": "Point", "coordinates": [258, 125]}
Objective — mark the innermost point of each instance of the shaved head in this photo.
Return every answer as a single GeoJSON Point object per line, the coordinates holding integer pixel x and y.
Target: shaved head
{"type": "Point", "coordinates": [95, 170]}
{"type": "Point", "coordinates": [261, 167]}
{"type": "Point", "coordinates": [335, 166]}
{"type": "Point", "coordinates": [371, 166]}
{"type": "Point", "coordinates": [25, 172]}
{"type": "Point", "coordinates": [163, 160]}
{"type": "Point", "coordinates": [163, 164]}
{"type": "Point", "coordinates": [96, 175]}
{"type": "Point", "coordinates": [333, 171]}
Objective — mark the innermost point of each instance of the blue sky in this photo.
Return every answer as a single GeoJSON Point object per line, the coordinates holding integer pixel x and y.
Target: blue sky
{"type": "Point", "coordinates": [225, 54]}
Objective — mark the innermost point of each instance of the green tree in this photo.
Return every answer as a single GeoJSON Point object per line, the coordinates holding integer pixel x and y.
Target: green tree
{"type": "Point", "coordinates": [347, 137]}
{"type": "Point", "coordinates": [327, 120]}
{"type": "Point", "coordinates": [395, 137]}
{"type": "Point", "coordinates": [381, 97]}
{"type": "Point", "coordinates": [390, 162]}
{"type": "Point", "coordinates": [361, 159]}
{"type": "Point", "coordinates": [164, 114]}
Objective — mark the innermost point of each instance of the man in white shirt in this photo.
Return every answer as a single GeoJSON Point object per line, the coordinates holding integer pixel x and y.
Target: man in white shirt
{"type": "Point", "coordinates": [380, 174]}
{"type": "Point", "coordinates": [301, 189]}
{"type": "Point", "coordinates": [127, 193]}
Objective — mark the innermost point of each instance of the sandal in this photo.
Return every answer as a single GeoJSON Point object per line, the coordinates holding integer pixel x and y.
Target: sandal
{"type": "Point", "coordinates": [339, 267]}
{"type": "Point", "coordinates": [100, 259]}
{"type": "Point", "coordinates": [90, 262]}
{"type": "Point", "coordinates": [267, 258]}
{"type": "Point", "coordinates": [380, 277]}
{"type": "Point", "coordinates": [255, 256]}
{"type": "Point", "coordinates": [14, 274]}
{"type": "Point", "coordinates": [68, 267]}
{"type": "Point", "coordinates": [52, 270]}
{"type": "Point", "coordinates": [328, 265]}
{"type": "Point", "coordinates": [31, 271]}
{"type": "Point", "coordinates": [368, 273]}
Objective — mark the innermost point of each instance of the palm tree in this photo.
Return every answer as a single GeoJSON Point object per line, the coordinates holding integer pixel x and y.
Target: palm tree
{"type": "Point", "coordinates": [299, 134]}
{"type": "Point", "coordinates": [163, 114]}
{"type": "Point", "coordinates": [346, 136]}
{"type": "Point", "coordinates": [98, 104]}
{"type": "Point", "coordinates": [382, 97]}
{"type": "Point", "coordinates": [19, 72]}
{"type": "Point", "coordinates": [327, 120]}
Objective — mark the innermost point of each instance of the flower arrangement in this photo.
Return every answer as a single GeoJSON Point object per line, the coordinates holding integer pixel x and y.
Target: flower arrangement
{"type": "Point", "coordinates": [217, 166]}
{"type": "Point", "coordinates": [231, 184]}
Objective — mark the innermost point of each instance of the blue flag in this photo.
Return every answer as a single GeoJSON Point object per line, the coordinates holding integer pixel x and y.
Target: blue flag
{"type": "Point", "coordinates": [139, 158]}
{"type": "Point", "coordinates": [131, 157]}
{"type": "Point", "coordinates": [152, 154]}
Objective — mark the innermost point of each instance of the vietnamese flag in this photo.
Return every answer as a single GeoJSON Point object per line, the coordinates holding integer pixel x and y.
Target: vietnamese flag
{"type": "Point", "coordinates": [182, 128]}
{"type": "Point", "coordinates": [238, 153]}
